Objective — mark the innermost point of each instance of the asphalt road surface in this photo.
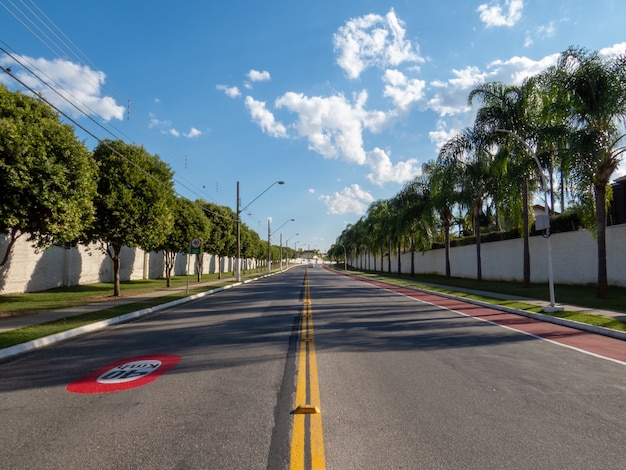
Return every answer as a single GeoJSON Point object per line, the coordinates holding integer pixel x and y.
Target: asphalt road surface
{"type": "Point", "coordinates": [403, 384]}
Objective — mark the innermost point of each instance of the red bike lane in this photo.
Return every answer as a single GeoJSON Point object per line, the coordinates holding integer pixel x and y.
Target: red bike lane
{"type": "Point", "coordinates": [587, 342]}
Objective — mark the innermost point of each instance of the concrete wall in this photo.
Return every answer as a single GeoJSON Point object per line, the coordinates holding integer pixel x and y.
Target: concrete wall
{"type": "Point", "coordinates": [574, 259]}
{"type": "Point", "coordinates": [31, 271]}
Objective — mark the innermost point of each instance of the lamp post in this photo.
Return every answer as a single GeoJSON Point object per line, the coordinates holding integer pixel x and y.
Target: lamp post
{"type": "Point", "coordinates": [545, 223]}
{"type": "Point", "coordinates": [295, 248]}
{"type": "Point", "coordinates": [239, 211]}
{"type": "Point", "coordinates": [269, 246]}
{"type": "Point", "coordinates": [287, 244]}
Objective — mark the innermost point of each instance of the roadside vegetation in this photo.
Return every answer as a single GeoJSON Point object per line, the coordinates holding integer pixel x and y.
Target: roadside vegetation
{"type": "Point", "coordinates": [581, 296]}
{"type": "Point", "coordinates": [67, 297]}
{"type": "Point", "coordinates": [557, 137]}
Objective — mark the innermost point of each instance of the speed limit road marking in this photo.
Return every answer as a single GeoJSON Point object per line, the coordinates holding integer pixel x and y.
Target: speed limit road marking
{"type": "Point", "coordinates": [125, 374]}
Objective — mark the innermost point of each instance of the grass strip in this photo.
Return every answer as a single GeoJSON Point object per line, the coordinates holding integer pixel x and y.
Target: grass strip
{"type": "Point", "coordinates": [579, 317]}
{"type": "Point", "coordinates": [30, 333]}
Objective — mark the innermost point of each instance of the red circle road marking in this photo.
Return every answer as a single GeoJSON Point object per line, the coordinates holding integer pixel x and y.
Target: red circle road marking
{"type": "Point", "coordinates": [125, 374]}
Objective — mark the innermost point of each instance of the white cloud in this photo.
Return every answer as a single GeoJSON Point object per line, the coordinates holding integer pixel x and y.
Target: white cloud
{"type": "Point", "coordinates": [373, 41]}
{"type": "Point", "coordinates": [615, 50]}
{"type": "Point", "coordinates": [77, 84]}
{"type": "Point", "coordinates": [311, 191]}
{"type": "Point", "coordinates": [352, 199]}
{"type": "Point", "coordinates": [264, 118]}
{"type": "Point", "coordinates": [540, 33]}
{"type": "Point", "coordinates": [444, 132]}
{"type": "Point", "coordinates": [193, 132]}
{"type": "Point", "coordinates": [401, 90]}
{"type": "Point", "coordinates": [383, 170]}
{"type": "Point", "coordinates": [516, 69]}
{"type": "Point", "coordinates": [256, 76]}
{"type": "Point", "coordinates": [232, 92]}
{"type": "Point", "coordinates": [332, 125]}
{"type": "Point", "coordinates": [450, 97]}
{"type": "Point", "coordinates": [165, 127]}
{"type": "Point", "coordinates": [493, 14]}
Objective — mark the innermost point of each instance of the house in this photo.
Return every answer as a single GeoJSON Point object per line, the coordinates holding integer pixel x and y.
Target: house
{"type": "Point", "coordinates": [617, 210]}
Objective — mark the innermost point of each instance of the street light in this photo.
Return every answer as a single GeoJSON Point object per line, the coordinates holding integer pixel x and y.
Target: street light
{"type": "Point", "coordinates": [287, 245]}
{"type": "Point", "coordinates": [239, 211]}
{"type": "Point", "coordinates": [542, 223]}
{"type": "Point", "coordinates": [269, 246]}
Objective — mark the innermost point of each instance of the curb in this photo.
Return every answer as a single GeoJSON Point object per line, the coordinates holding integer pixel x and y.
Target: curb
{"type": "Point", "coordinates": [62, 336]}
{"type": "Point", "coordinates": [599, 330]}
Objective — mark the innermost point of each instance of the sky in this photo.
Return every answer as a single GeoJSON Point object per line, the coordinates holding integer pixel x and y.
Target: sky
{"type": "Point", "coordinates": [342, 100]}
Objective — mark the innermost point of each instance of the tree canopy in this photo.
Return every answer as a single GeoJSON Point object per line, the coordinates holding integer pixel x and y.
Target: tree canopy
{"type": "Point", "coordinates": [133, 204]}
{"type": "Point", "coordinates": [47, 175]}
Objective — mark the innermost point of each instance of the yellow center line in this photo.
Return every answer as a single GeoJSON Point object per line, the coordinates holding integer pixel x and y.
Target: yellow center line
{"type": "Point", "coordinates": [307, 413]}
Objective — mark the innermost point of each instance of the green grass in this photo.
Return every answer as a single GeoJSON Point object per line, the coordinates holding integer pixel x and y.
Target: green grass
{"type": "Point", "coordinates": [65, 297]}
{"type": "Point", "coordinates": [33, 303]}
{"type": "Point", "coordinates": [29, 333]}
{"type": "Point", "coordinates": [583, 296]}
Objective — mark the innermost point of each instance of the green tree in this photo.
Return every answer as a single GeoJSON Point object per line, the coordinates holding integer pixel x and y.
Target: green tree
{"type": "Point", "coordinates": [378, 215]}
{"type": "Point", "coordinates": [222, 240]}
{"type": "Point", "coordinates": [252, 246]}
{"type": "Point", "coordinates": [47, 175]}
{"type": "Point", "coordinates": [417, 215]}
{"type": "Point", "coordinates": [442, 186]}
{"type": "Point", "coordinates": [593, 88]}
{"type": "Point", "coordinates": [189, 222]}
{"type": "Point", "coordinates": [513, 113]}
{"type": "Point", "coordinates": [133, 204]}
{"type": "Point", "coordinates": [469, 152]}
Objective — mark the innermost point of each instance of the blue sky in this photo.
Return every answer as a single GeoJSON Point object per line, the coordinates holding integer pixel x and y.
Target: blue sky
{"type": "Point", "coordinates": [342, 100]}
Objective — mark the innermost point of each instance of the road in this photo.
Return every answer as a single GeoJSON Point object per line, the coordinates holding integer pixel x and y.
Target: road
{"type": "Point", "coordinates": [403, 384]}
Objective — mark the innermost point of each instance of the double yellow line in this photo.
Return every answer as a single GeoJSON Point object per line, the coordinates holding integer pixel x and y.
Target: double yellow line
{"type": "Point", "coordinates": [307, 448]}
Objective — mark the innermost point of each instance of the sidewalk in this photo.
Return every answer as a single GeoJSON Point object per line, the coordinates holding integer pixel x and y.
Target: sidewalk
{"type": "Point", "coordinates": [615, 314]}
{"type": "Point", "coordinates": [13, 323]}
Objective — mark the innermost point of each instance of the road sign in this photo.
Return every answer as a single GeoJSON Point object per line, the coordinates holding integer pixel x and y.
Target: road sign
{"type": "Point", "coordinates": [195, 246]}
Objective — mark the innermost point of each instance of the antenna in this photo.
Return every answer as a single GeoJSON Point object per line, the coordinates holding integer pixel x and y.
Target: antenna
{"type": "Point", "coordinates": [128, 111]}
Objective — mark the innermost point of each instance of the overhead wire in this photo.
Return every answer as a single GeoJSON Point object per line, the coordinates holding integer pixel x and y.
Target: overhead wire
{"type": "Point", "coordinates": [87, 131]}
{"type": "Point", "coordinates": [62, 52]}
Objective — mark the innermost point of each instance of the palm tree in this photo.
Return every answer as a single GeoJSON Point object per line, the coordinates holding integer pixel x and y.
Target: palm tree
{"type": "Point", "coordinates": [469, 151]}
{"type": "Point", "coordinates": [416, 214]}
{"type": "Point", "coordinates": [512, 113]}
{"type": "Point", "coordinates": [381, 219]}
{"type": "Point", "coordinates": [593, 88]}
{"type": "Point", "coordinates": [442, 186]}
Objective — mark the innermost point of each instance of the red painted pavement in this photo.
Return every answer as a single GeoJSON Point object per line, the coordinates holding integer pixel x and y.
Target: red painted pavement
{"type": "Point", "coordinates": [604, 346]}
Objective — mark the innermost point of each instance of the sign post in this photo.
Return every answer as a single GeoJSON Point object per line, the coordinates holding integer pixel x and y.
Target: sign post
{"type": "Point", "coordinates": [195, 247]}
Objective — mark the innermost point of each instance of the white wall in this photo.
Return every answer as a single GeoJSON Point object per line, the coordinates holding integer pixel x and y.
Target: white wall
{"type": "Point", "coordinates": [31, 271]}
{"type": "Point", "coordinates": [574, 259]}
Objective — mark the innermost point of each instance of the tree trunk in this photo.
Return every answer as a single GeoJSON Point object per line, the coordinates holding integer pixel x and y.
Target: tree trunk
{"type": "Point", "coordinates": [115, 257]}
{"type": "Point", "coordinates": [399, 257]}
{"type": "Point", "coordinates": [14, 234]}
{"type": "Point", "coordinates": [168, 257]}
{"type": "Point", "coordinates": [526, 234]}
{"type": "Point", "coordinates": [389, 257]}
{"type": "Point", "coordinates": [446, 235]}
{"type": "Point", "coordinates": [479, 264]}
{"type": "Point", "coordinates": [603, 283]}
{"type": "Point", "coordinates": [413, 254]}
